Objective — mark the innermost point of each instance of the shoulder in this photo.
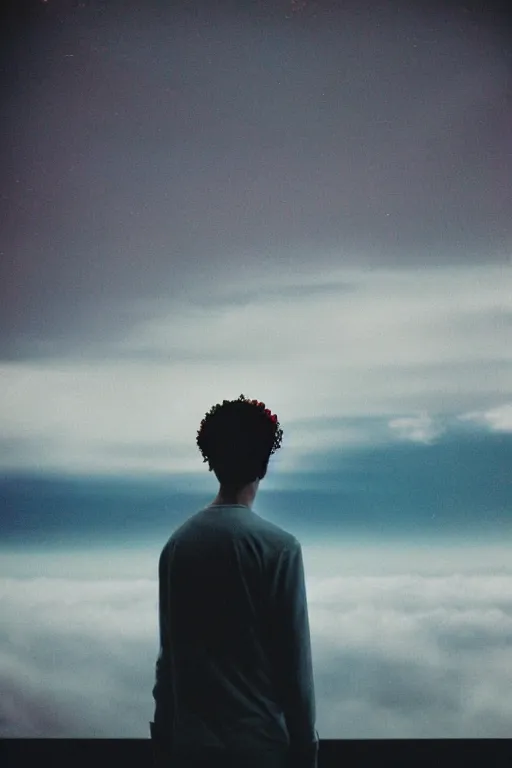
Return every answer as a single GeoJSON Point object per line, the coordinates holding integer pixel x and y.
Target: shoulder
{"type": "Point", "coordinates": [279, 537]}
{"type": "Point", "coordinates": [269, 538]}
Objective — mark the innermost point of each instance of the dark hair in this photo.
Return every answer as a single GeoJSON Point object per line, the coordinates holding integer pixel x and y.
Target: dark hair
{"type": "Point", "coordinates": [237, 438]}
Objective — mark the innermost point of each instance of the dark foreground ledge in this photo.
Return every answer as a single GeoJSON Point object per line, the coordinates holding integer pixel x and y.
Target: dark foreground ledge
{"type": "Point", "coordinates": [137, 753]}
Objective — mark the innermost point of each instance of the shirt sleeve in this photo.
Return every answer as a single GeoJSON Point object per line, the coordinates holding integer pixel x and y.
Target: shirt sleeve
{"type": "Point", "coordinates": [292, 653]}
{"type": "Point", "coordinates": [163, 691]}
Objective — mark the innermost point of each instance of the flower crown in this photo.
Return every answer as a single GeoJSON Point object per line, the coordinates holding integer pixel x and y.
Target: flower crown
{"type": "Point", "coordinates": [272, 417]}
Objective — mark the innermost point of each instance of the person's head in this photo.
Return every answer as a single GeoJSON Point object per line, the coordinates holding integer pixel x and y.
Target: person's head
{"type": "Point", "coordinates": [237, 439]}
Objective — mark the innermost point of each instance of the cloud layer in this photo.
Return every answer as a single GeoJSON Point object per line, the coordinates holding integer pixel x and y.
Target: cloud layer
{"type": "Point", "coordinates": [395, 655]}
{"type": "Point", "coordinates": [385, 344]}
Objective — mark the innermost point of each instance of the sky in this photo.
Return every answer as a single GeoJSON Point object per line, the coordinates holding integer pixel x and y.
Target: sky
{"type": "Point", "coordinates": [304, 203]}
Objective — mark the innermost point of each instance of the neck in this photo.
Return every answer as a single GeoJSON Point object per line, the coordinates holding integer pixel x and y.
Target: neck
{"type": "Point", "coordinates": [244, 495]}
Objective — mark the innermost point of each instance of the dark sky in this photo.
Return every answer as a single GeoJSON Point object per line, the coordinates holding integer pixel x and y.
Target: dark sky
{"type": "Point", "coordinates": [150, 150]}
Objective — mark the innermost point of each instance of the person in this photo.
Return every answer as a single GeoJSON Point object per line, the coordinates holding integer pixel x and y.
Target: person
{"type": "Point", "coordinates": [234, 679]}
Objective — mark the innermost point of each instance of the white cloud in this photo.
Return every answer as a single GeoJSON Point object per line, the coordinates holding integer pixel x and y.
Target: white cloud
{"type": "Point", "coordinates": [498, 419]}
{"type": "Point", "coordinates": [395, 654]}
{"type": "Point", "coordinates": [396, 342]}
{"type": "Point", "coordinates": [418, 429]}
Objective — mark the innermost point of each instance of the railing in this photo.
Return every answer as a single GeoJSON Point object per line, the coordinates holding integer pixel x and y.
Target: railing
{"type": "Point", "coordinates": [137, 753]}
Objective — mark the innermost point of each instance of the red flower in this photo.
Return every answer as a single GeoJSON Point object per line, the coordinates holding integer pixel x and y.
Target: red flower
{"type": "Point", "coordinates": [267, 412]}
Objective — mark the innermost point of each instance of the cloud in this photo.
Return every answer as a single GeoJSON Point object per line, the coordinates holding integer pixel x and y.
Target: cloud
{"type": "Point", "coordinates": [418, 429]}
{"type": "Point", "coordinates": [387, 347]}
{"type": "Point", "coordinates": [497, 419]}
{"type": "Point", "coordinates": [395, 655]}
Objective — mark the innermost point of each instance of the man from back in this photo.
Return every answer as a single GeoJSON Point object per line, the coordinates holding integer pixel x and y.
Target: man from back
{"type": "Point", "coordinates": [234, 678]}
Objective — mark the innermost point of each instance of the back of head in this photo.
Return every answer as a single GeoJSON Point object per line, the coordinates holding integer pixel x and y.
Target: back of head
{"type": "Point", "coordinates": [237, 439]}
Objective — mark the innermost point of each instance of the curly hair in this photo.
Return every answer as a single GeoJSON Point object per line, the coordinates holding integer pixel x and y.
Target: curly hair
{"type": "Point", "coordinates": [237, 438]}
